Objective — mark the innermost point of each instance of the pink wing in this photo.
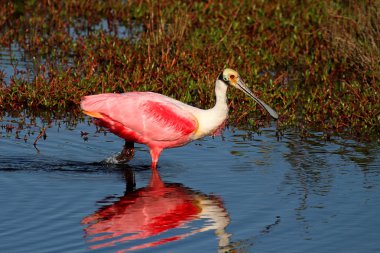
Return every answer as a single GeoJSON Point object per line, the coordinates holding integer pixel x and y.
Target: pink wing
{"type": "Point", "coordinates": [141, 116]}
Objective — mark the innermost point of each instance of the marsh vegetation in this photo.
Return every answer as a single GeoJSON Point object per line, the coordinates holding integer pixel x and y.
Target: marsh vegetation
{"type": "Point", "coordinates": [315, 62]}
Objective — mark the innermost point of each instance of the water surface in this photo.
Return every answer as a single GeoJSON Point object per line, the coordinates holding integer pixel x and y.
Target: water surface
{"type": "Point", "coordinates": [251, 193]}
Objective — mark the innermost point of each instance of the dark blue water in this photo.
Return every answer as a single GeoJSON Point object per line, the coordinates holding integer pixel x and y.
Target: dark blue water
{"type": "Point", "coordinates": [239, 193]}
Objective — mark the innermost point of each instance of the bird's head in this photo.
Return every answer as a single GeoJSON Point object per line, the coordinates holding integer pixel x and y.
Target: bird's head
{"type": "Point", "coordinates": [229, 77]}
{"type": "Point", "coordinates": [232, 78]}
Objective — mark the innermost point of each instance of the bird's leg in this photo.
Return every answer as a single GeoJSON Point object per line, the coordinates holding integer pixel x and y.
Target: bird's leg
{"type": "Point", "coordinates": [127, 153]}
{"type": "Point", "coordinates": [155, 154]}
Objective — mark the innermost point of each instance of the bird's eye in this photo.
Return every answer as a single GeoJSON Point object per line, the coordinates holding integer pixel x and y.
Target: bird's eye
{"type": "Point", "coordinates": [225, 78]}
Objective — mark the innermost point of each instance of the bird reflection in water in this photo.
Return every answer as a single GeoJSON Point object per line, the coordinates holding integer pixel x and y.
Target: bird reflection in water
{"type": "Point", "coordinates": [156, 214]}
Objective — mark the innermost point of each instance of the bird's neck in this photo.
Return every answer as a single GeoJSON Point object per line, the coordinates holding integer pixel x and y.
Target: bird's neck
{"type": "Point", "coordinates": [221, 96]}
{"type": "Point", "coordinates": [218, 114]}
{"type": "Point", "coordinates": [212, 119]}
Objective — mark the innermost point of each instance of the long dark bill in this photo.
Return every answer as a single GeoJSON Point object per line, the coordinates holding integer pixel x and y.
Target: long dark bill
{"type": "Point", "coordinates": [241, 86]}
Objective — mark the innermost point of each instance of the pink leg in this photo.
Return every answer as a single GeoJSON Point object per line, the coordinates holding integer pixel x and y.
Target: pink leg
{"type": "Point", "coordinates": [155, 154]}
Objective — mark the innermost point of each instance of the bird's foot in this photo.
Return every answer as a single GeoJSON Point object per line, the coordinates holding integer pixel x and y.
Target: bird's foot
{"type": "Point", "coordinates": [127, 153]}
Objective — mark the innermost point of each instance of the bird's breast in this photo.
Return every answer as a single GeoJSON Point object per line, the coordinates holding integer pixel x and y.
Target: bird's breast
{"type": "Point", "coordinates": [209, 121]}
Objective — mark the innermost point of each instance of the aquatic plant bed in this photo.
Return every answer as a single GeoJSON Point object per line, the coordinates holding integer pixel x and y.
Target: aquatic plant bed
{"type": "Point", "coordinates": [316, 63]}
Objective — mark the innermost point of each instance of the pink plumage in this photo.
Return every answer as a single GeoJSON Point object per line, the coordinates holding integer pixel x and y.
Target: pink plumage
{"type": "Point", "coordinates": [143, 117]}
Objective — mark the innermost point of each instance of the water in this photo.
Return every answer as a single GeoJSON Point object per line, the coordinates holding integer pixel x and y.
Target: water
{"type": "Point", "coordinates": [17, 63]}
{"type": "Point", "coordinates": [240, 192]}
{"type": "Point", "coordinates": [14, 62]}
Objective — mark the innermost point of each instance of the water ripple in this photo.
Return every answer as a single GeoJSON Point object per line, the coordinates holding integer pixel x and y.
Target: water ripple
{"type": "Point", "coordinates": [254, 193]}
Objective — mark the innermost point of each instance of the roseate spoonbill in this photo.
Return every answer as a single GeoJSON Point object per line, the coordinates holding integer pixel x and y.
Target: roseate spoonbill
{"type": "Point", "coordinates": [162, 122]}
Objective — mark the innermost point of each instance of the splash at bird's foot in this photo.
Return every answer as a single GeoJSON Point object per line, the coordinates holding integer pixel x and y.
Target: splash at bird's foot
{"type": "Point", "coordinates": [127, 153]}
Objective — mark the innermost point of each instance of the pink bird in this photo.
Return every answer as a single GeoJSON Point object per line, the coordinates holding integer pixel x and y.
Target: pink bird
{"type": "Point", "coordinates": [162, 122]}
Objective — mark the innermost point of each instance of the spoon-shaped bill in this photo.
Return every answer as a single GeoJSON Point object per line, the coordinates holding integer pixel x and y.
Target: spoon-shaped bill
{"type": "Point", "coordinates": [241, 86]}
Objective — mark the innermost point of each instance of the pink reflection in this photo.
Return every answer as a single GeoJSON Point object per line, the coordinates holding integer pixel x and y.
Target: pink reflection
{"type": "Point", "coordinates": [153, 210]}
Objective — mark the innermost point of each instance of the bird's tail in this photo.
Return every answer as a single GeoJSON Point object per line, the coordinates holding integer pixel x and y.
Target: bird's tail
{"type": "Point", "coordinates": [94, 105]}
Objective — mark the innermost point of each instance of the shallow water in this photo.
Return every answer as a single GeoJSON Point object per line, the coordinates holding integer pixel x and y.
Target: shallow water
{"type": "Point", "coordinates": [17, 63]}
{"type": "Point", "coordinates": [251, 193]}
